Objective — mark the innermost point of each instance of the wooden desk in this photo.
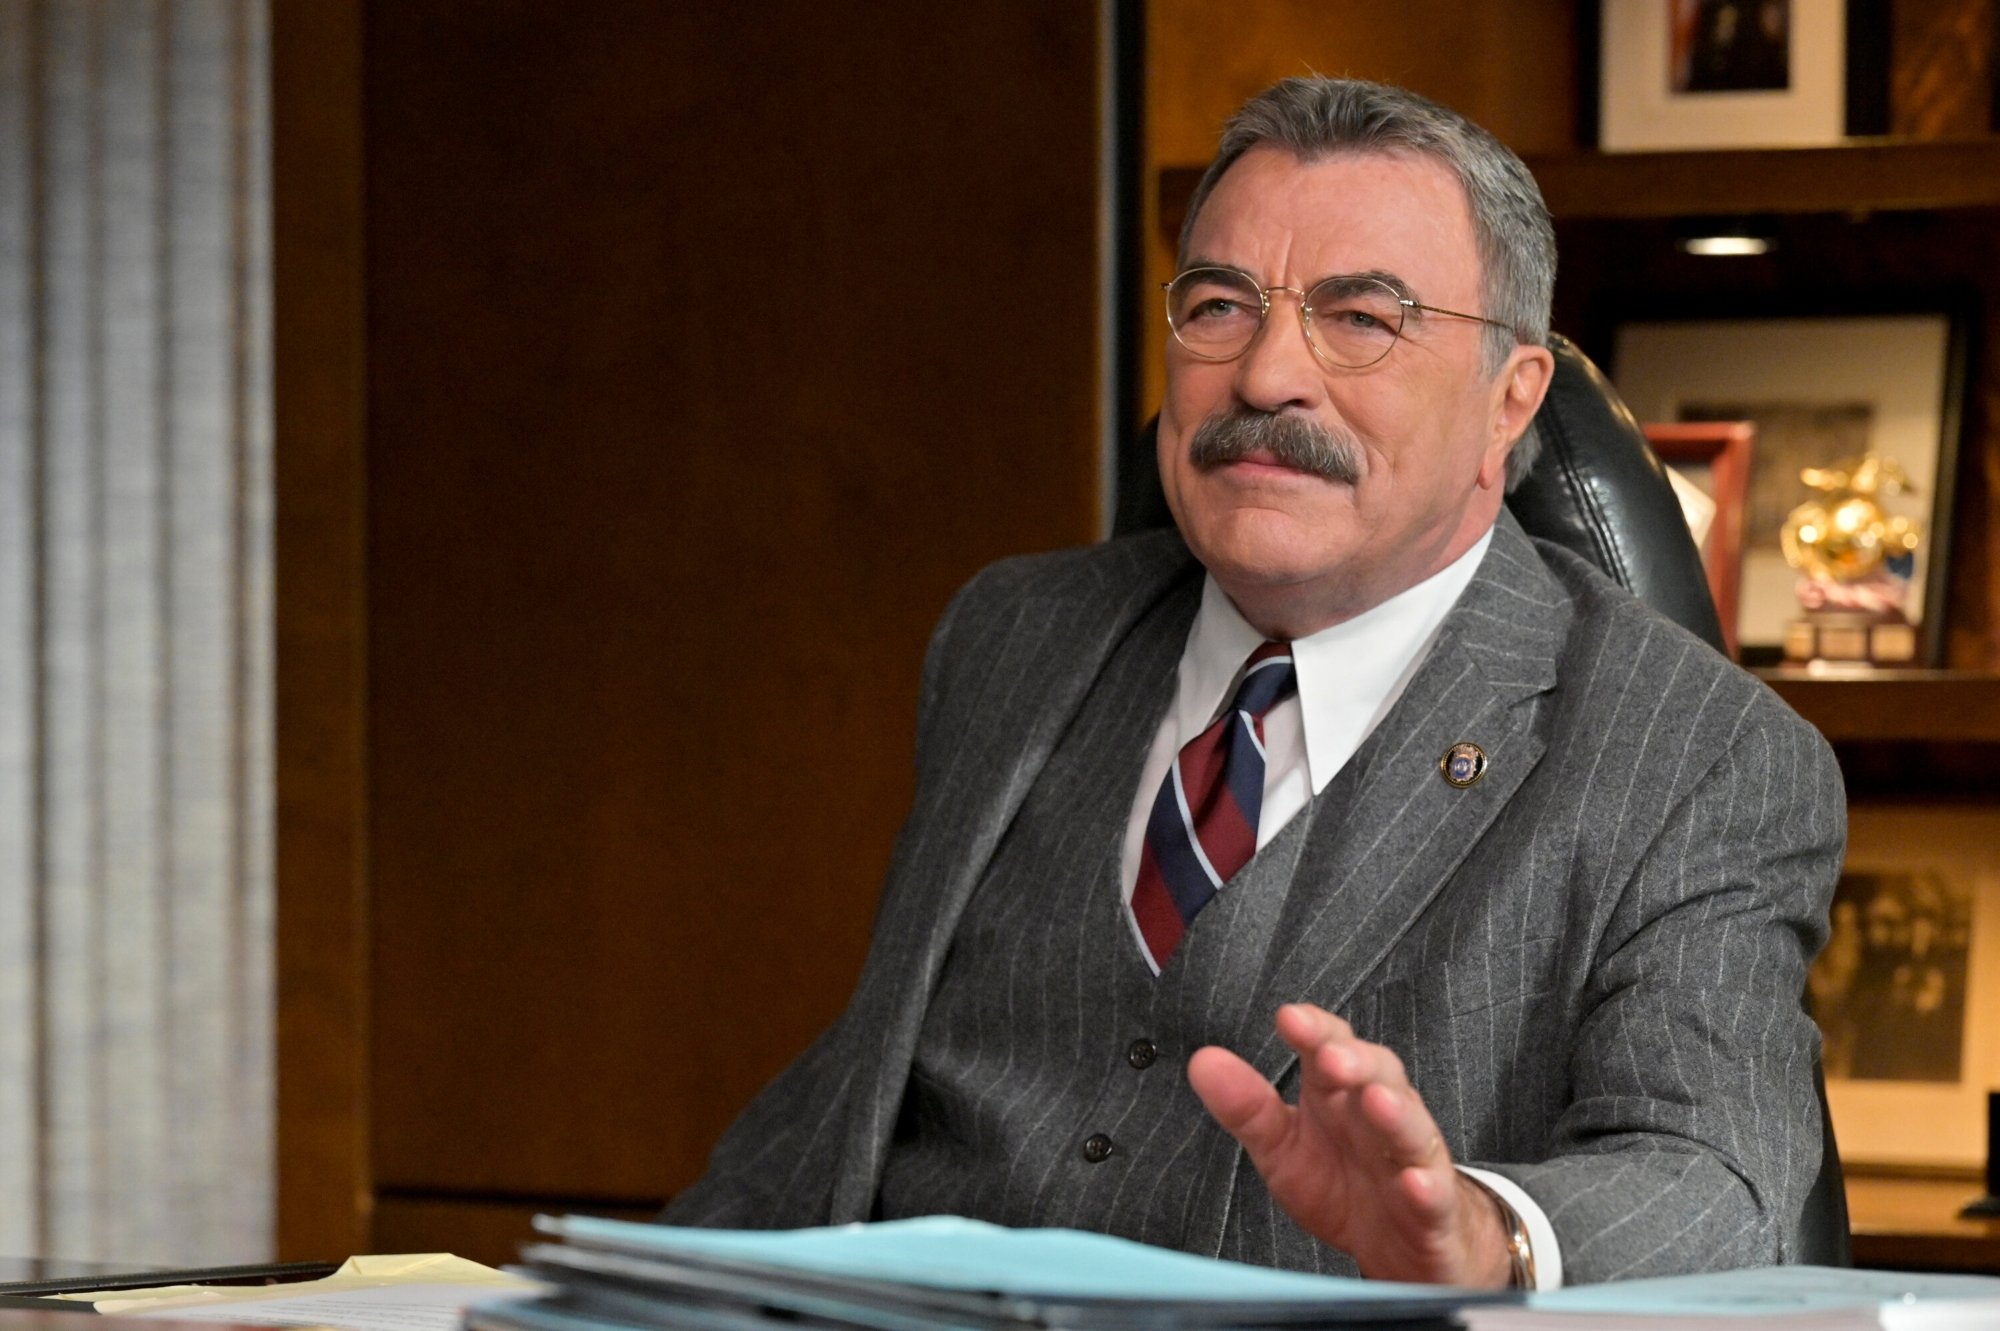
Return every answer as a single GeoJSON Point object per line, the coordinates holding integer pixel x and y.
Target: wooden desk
{"type": "Point", "coordinates": [1912, 1224]}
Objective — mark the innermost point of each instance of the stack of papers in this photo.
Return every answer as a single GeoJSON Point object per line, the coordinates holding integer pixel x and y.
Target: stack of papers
{"type": "Point", "coordinates": [916, 1275]}
{"type": "Point", "coordinates": [927, 1273]}
{"type": "Point", "coordinates": [1780, 1298]}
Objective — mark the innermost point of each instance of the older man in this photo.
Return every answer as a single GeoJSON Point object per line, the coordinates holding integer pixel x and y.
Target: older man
{"type": "Point", "coordinates": [1529, 877]}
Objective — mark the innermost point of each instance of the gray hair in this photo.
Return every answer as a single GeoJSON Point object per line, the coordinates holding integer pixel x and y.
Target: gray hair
{"type": "Point", "coordinates": [1314, 118]}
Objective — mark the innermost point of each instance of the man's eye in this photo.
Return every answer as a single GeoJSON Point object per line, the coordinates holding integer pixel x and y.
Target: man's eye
{"type": "Point", "coordinates": [1350, 317]}
{"type": "Point", "coordinates": [1215, 307]}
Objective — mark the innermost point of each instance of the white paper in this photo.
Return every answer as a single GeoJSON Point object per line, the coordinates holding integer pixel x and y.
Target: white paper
{"type": "Point", "coordinates": [382, 1308]}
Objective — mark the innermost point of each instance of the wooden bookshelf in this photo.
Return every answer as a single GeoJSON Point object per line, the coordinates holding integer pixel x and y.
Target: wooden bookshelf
{"type": "Point", "coordinates": [1871, 176]}
{"type": "Point", "coordinates": [1912, 1223]}
{"type": "Point", "coordinates": [1920, 706]}
{"type": "Point", "coordinates": [1866, 177]}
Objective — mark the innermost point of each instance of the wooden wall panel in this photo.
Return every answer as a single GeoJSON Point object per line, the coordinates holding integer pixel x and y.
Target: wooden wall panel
{"type": "Point", "coordinates": [320, 396]}
{"type": "Point", "coordinates": [709, 348]}
{"type": "Point", "coordinates": [1508, 64]}
{"type": "Point", "coordinates": [482, 1231]}
{"type": "Point", "coordinates": [1941, 69]}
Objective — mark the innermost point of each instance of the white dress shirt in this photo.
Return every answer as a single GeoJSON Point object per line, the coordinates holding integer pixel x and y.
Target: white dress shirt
{"type": "Point", "coordinates": [1349, 676]}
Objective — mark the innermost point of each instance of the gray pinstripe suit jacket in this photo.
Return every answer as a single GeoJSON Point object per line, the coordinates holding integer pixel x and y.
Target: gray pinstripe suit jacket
{"type": "Point", "coordinates": [1591, 961]}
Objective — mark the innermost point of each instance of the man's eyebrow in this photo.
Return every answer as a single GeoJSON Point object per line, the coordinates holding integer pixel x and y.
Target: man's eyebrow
{"type": "Point", "coordinates": [1197, 261]}
{"type": "Point", "coordinates": [1388, 279]}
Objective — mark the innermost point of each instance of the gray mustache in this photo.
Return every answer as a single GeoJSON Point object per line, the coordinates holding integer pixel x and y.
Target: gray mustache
{"type": "Point", "coordinates": [1333, 455]}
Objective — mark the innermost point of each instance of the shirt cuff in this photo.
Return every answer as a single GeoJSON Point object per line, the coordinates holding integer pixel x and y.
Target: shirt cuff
{"type": "Point", "coordinates": [1541, 1234]}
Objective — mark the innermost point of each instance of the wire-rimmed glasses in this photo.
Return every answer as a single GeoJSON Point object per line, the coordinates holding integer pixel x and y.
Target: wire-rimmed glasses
{"type": "Point", "coordinates": [1351, 320]}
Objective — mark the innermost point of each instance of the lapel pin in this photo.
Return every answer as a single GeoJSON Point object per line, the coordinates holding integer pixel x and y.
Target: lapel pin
{"type": "Point", "coordinates": [1463, 764]}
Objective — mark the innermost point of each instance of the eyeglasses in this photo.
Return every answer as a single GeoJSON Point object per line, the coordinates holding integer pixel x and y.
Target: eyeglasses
{"type": "Point", "coordinates": [1351, 320]}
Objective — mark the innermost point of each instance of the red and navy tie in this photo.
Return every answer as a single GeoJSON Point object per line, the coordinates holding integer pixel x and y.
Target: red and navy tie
{"type": "Point", "coordinates": [1203, 827]}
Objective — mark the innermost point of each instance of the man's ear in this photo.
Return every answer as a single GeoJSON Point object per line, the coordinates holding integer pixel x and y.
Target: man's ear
{"type": "Point", "coordinates": [1518, 391]}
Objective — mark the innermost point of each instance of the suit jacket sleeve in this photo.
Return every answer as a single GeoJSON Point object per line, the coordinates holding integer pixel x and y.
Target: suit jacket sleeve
{"type": "Point", "coordinates": [1692, 1133]}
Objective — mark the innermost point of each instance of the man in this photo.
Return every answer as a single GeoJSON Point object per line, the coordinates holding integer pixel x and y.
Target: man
{"type": "Point", "coordinates": [1529, 877]}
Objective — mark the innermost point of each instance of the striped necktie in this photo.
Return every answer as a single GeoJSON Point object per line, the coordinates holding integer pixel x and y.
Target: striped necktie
{"type": "Point", "coordinates": [1203, 826]}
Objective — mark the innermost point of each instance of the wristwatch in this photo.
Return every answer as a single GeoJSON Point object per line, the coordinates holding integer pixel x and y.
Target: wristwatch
{"type": "Point", "coordinates": [1520, 1253]}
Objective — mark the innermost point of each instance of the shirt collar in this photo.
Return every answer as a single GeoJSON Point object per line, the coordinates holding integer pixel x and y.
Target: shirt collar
{"type": "Point", "coordinates": [1349, 675]}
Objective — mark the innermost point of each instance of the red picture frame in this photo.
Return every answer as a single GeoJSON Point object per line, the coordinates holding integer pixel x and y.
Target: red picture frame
{"type": "Point", "coordinates": [1715, 456]}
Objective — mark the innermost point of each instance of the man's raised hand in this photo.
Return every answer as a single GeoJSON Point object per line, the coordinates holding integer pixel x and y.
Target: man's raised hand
{"type": "Point", "coordinates": [1358, 1162]}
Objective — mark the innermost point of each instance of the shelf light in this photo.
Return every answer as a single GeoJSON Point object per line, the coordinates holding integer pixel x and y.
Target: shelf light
{"type": "Point", "coordinates": [1720, 246]}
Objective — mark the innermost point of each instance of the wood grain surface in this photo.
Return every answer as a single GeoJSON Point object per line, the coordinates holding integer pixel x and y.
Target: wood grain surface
{"type": "Point", "coordinates": [704, 352]}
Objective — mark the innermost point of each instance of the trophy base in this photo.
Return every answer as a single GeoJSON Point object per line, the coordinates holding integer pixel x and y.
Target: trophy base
{"type": "Point", "coordinates": [1848, 636]}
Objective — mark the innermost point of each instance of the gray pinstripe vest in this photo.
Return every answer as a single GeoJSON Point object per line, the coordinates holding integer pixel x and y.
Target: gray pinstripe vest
{"type": "Point", "coordinates": [1034, 1051]}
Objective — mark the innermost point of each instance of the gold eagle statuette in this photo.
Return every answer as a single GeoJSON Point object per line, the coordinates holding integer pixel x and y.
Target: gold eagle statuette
{"type": "Point", "coordinates": [1844, 537]}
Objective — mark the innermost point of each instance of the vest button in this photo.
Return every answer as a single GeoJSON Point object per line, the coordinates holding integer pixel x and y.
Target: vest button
{"type": "Point", "coordinates": [1142, 1053]}
{"type": "Point", "coordinates": [1097, 1148]}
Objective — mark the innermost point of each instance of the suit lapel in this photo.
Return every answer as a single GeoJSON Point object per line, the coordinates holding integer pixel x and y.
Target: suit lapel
{"type": "Point", "coordinates": [1389, 830]}
{"type": "Point", "coordinates": [1030, 669]}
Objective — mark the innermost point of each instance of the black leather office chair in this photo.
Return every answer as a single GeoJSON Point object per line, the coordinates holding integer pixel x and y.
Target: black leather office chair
{"type": "Point", "coordinates": [1596, 490]}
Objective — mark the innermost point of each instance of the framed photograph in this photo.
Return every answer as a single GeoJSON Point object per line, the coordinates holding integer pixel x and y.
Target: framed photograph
{"type": "Point", "coordinates": [1907, 991]}
{"type": "Point", "coordinates": [1819, 390]}
{"type": "Point", "coordinates": [1722, 74]}
{"type": "Point", "coordinates": [1709, 463]}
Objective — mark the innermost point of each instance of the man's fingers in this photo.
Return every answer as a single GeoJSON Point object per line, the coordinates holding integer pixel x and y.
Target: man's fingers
{"type": "Point", "coordinates": [1331, 1056]}
{"type": "Point", "coordinates": [1305, 1027]}
{"type": "Point", "coordinates": [1430, 1199]}
{"type": "Point", "coordinates": [1408, 1134]}
{"type": "Point", "coordinates": [1359, 1161]}
{"type": "Point", "coordinates": [1427, 1197]}
{"type": "Point", "coordinates": [1349, 1064]}
{"type": "Point", "coordinates": [1237, 1097]}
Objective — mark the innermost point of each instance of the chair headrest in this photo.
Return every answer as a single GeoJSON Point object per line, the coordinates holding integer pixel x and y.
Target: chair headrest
{"type": "Point", "coordinates": [1598, 491]}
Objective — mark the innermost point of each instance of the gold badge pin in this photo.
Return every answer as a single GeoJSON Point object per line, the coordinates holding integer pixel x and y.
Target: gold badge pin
{"type": "Point", "coordinates": [1463, 765]}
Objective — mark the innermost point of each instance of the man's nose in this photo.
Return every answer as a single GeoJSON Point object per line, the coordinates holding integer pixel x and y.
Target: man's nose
{"type": "Point", "coordinates": [1279, 368]}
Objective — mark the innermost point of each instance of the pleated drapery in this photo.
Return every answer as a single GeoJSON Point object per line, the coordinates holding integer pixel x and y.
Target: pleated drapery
{"type": "Point", "coordinates": [135, 641]}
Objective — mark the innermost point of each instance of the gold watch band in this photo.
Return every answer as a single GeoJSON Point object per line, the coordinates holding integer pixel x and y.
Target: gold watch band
{"type": "Point", "coordinates": [1520, 1252]}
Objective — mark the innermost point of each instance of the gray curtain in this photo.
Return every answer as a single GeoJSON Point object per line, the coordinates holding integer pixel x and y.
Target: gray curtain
{"type": "Point", "coordinates": [135, 639]}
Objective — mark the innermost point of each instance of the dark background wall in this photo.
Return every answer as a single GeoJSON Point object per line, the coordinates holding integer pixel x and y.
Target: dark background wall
{"type": "Point", "coordinates": [649, 375]}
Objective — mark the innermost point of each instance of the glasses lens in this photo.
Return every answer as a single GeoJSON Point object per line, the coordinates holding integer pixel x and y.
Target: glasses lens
{"type": "Point", "coordinates": [1214, 312]}
{"type": "Point", "coordinates": [1354, 320]}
